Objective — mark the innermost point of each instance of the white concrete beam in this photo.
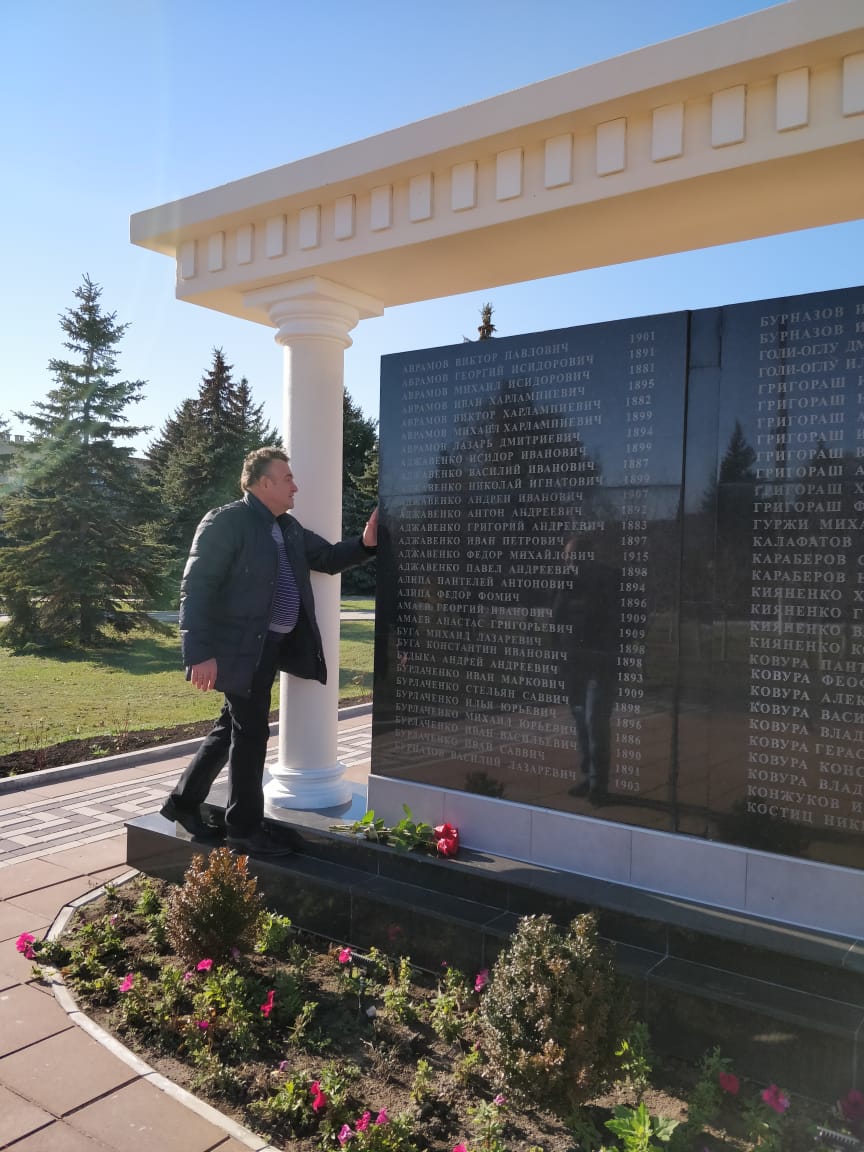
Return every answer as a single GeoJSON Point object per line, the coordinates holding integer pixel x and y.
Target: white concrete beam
{"type": "Point", "coordinates": [749, 128]}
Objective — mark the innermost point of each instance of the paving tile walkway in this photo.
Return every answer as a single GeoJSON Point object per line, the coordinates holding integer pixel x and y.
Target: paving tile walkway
{"type": "Point", "coordinates": [60, 1090]}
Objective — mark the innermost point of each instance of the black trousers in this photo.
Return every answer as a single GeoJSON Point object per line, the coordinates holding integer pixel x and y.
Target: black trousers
{"type": "Point", "coordinates": [239, 739]}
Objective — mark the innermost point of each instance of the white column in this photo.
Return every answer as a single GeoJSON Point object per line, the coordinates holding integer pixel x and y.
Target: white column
{"type": "Point", "coordinates": [313, 318]}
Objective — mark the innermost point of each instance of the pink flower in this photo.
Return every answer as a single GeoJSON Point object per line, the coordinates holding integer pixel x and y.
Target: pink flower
{"type": "Point", "coordinates": [459, 1148]}
{"type": "Point", "coordinates": [319, 1098]}
{"type": "Point", "coordinates": [447, 839]}
{"type": "Point", "coordinates": [775, 1099]}
{"type": "Point", "coordinates": [345, 956]}
{"type": "Point", "coordinates": [24, 944]}
{"type": "Point", "coordinates": [345, 1135]}
{"type": "Point", "coordinates": [267, 1006]}
{"type": "Point", "coordinates": [203, 1025]}
{"type": "Point", "coordinates": [730, 1083]}
{"type": "Point", "coordinates": [382, 1117]}
{"type": "Point", "coordinates": [127, 982]}
{"type": "Point", "coordinates": [283, 1065]}
{"type": "Point", "coordinates": [852, 1106]}
{"type": "Point", "coordinates": [187, 976]}
{"type": "Point", "coordinates": [481, 979]}
{"type": "Point", "coordinates": [363, 1123]}
{"type": "Point", "coordinates": [500, 1100]}
{"type": "Point", "coordinates": [204, 965]}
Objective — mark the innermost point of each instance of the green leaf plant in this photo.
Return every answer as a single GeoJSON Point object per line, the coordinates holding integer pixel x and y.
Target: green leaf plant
{"type": "Point", "coordinates": [637, 1129]}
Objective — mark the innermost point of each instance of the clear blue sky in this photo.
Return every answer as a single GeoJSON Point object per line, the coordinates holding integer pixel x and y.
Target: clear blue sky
{"type": "Point", "coordinates": [113, 106]}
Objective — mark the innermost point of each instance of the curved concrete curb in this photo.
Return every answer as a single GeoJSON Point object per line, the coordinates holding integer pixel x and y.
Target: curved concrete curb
{"type": "Point", "coordinates": [132, 759]}
{"type": "Point", "coordinates": [67, 1002]}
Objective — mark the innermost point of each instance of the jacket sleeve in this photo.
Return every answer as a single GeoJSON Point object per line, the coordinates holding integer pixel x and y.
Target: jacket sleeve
{"type": "Point", "coordinates": [322, 556]}
{"type": "Point", "coordinates": [210, 558]}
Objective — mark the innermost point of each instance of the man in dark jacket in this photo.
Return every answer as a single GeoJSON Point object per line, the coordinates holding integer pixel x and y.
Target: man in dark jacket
{"type": "Point", "coordinates": [590, 607]}
{"type": "Point", "coordinates": [246, 613]}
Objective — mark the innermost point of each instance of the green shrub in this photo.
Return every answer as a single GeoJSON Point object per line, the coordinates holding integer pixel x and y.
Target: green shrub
{"type": "Point", "coordinates": [229, 1005]}
{"type": "Point", "coordinates": [216, 1078]}
{"type": "Point", "coordinates": [467, 1070]}
{"type": "Point", "coordinates": [148, 903]}
{"type": "Point", "coordinates": [451, 1008]}
{"type": "Point", "coordinates": [274, 935]}
{"type": "Point", "coordinates": [289, 1108]}
{"type": "Point", "coordinates": [638, 1130]}
{"type": "Point", "coordinates": [704, 1102]}
{"type": "Point", "coordinates": [634, 1059]}
{"type": "Point", "coordinates": [216, 910]}
{"type": "Point", "coordinates": [423, 1087]}
{"type": "Point", "coordinates": [488, 1123]}
{"type": "Point", "coordinates": [398, 1001]}
{"type": "Point", "coordinates": [553, 1014]}
{"type": "Point", "coordinates": [397, 1135]}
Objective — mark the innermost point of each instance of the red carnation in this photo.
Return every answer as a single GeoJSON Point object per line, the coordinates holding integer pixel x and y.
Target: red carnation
{"type": "Point", "coordinates": [447, 839]}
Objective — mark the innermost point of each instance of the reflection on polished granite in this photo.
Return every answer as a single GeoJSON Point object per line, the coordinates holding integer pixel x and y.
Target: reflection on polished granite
{"type": "Point", "coordinates": [620, 568]}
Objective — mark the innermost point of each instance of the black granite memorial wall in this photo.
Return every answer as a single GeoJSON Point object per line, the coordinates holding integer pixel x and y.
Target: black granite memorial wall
{"type": "Point", "coordinates": [621, 572]}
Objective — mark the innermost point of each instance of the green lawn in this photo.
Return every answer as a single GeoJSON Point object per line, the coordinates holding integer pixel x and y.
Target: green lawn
{"type": "Point", "coordinates": [140, 685]}
{"type": "Point", "coordinates": [357, 604]}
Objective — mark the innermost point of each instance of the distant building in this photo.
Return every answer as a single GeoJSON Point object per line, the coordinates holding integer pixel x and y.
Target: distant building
{"type": "Point", "coordinates": [7, 451]}
{"type": "Point", "coordinates": [7, 447]}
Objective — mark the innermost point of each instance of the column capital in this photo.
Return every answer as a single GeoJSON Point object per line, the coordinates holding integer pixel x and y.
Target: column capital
{"type": "Point", "coordinates": [313, 308]}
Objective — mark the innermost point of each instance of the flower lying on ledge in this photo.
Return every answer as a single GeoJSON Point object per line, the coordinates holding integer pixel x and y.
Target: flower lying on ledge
{"type": "Point", "coordinates": [446, 839]}
{"type": "Point", "coordinates": [406, 836]}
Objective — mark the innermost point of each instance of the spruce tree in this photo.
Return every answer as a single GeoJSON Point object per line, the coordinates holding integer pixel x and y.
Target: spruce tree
{"type": "Point", "coordinates": [730, 499]}
{"type": "Point", "coordinates": [359, 484]}
{"type": "Point", "coordinates": [194, 464]}
{"type": "Point", "coordinates": [73, 556]}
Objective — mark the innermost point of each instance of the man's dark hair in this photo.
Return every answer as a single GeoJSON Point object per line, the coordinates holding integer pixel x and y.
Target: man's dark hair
{"type": "Point", "coordinates": [256, 464]}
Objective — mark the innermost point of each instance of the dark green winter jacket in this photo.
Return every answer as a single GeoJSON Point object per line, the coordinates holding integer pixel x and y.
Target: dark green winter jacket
{"type": "Point", "coordinates": [229, 584]}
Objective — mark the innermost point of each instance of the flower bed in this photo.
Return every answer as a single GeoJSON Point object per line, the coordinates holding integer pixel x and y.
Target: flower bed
{"type": "Point", "coordinates": [318, 1047]}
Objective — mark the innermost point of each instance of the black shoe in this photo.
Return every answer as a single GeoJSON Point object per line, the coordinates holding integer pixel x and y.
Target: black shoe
{"type": "Point", "coordinates": [192, 821]}
{"type": "Point", "coordinates": [581, 789]}
{"type": "Point", "coordinates": [261, 842]}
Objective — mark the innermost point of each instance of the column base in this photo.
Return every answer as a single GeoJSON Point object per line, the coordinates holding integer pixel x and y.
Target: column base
{"type": "Point", "coordinates": [309, 788]}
